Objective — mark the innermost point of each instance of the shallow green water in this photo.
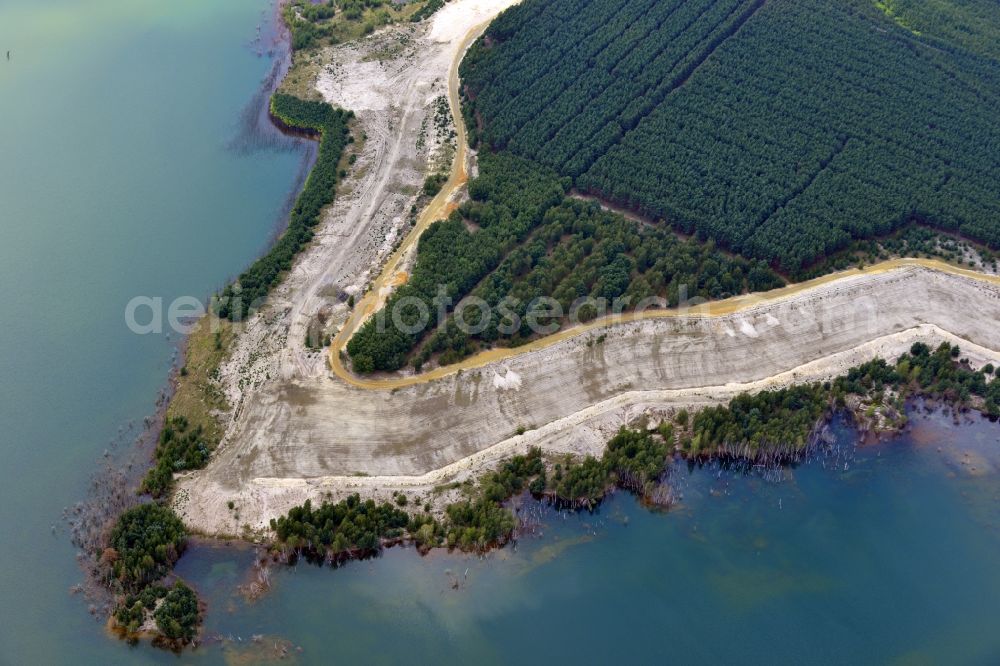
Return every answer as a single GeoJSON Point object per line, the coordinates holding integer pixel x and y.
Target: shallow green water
{"type": "Point", "coordinates": [117, 180]}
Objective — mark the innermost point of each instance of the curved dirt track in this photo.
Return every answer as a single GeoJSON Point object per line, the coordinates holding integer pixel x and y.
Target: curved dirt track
{"type": "Point", "coordinates": [391, 80]}
{"type": "Point", "coordinates": [305, 436]}
{"type": "Point", "coordinates": [718, 308]}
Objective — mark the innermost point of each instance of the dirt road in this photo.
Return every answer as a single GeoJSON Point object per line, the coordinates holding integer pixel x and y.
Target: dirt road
{"type": "Point", "coordinates": [718, 308]}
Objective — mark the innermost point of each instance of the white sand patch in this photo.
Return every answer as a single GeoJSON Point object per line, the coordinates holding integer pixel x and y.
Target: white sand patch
{"type": "Point", "coordinates": [746, 328]}
{"type": "Point", "coordinates": [453, 21]}
{"type": "Point", "coordinates": [362, 90]}
{"type": "Point", "coordinates": [509, 380]}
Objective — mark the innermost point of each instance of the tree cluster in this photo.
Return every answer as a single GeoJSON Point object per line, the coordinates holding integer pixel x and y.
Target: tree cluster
{"type": "Point", "coordinates": [783, 420]}
{"type": "Point", "coordinates": [175, 611]}
{"type": "Point", "coordinates": [753, 423]}
{"type": "Point", "coordinates": [143, 546]}
{"type": "Point", "coordinates": [935, 373]}
{"type": "Point", "coordinates": [145, 542]}
{"type": "Point", "coordinates": [178, 616]}
{"type": "Point", "coordinates": [342, 527]}
{"type": "Point", "coordinates": [634, 460]}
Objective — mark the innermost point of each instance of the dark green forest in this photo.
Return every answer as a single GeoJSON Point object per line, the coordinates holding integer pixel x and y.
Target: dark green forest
{"type": "Point", "coordinates": [317, 118]}
{"type": "Point", "coordinates": [353, 528]}
{"type": "Point", "coordinates": [520, 237]}
{"type": "Point", "coordinates": [782, 130]}
{"type": "Point", "coordinates": [350, 525]}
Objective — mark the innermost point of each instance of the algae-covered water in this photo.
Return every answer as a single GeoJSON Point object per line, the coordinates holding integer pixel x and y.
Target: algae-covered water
{"type": "Point", "coordinates": [125, 171]}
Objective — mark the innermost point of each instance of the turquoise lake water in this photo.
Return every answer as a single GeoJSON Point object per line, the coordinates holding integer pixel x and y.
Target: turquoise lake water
{"type": "Point", "coordinates": [119, 177]}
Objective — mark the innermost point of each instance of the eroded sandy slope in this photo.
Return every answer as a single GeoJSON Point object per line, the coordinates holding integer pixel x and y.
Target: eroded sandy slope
{"type": "Point", "coordinates": [310, 435]}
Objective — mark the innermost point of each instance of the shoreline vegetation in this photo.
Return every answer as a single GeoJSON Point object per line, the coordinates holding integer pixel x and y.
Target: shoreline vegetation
{"type": "Point", "coordinates": [144, 542]}
{"type": "Point", "coordinates": [771, 427]}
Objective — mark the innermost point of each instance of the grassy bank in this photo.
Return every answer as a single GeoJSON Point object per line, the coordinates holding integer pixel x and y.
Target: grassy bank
{"type": "Point", "coordinates": [192, 429]}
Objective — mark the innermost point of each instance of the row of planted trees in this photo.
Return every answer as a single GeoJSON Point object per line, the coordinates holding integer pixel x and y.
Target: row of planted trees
{"type": "Point", "coordinates": [782, 130]}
